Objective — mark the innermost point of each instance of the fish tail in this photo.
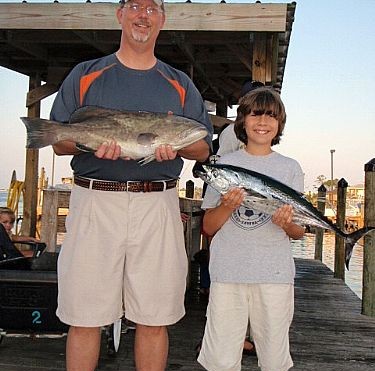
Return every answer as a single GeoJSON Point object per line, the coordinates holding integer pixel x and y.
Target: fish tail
{"type": "Point", "coordinates": [350, 241]}
{"type": "Point", "coordinates": [40, 132]}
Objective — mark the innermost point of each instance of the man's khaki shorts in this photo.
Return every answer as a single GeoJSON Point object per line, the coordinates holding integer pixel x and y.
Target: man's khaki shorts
{"type": "Point", "coordinates": [123, 251]}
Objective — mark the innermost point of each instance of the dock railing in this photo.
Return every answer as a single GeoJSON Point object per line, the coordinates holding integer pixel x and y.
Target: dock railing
{"type": "Point", "coordinates": [368, 281]}
{"type": "Point", "coordinates": [54, 210]}
{"type": "Point", "coordinates": [368, 293]}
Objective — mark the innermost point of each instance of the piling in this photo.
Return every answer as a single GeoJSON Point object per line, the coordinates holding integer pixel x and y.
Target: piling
{"type": "Point", "coordinates": [339, 271]}
{"type": "Point", "coordinates": [319, 232]}
{"type": "Point", "coordinates": [189, 192]}
{"type": "Point", "coordinates": [368, 292]}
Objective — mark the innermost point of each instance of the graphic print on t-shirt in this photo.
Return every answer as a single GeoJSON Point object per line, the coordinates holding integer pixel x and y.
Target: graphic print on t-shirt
{"type": "Point", "coordinates": [249, 219]}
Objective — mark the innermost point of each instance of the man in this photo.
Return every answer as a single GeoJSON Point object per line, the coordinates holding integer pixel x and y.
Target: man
{"type": "Point", "coordinates": [124, 248]}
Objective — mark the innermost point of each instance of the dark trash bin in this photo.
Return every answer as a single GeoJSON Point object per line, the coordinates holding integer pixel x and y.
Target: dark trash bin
{"type": "Point", "coordinates": [28, 295]}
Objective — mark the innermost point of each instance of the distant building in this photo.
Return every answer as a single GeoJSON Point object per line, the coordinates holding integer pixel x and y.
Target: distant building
{"type": "Point", "coordinates": [355, 196]}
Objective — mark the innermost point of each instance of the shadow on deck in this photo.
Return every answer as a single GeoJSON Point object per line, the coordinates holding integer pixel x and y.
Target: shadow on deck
{"type": "Point", "coordinates": [328, 332]}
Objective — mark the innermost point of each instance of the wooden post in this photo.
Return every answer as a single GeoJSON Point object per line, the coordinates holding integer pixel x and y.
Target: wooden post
{"type": "Point", "coordinates": [189, 193]}
{"type": "Point", "coordinates": [368, 292]}
{"type": "Point", "coordinates": [319, 232]}
{"type": "Point", "coordinates": [259, 57]}
{"type": "Point", "coordinates": [222, 108]}
{"type": "Point", "coordinates": [339, 271]}
{"type": "Point", "coordinates": [49, 218]}
{"type": "Point", "coordinates": [190, 207]}
{"type": "Point", "coordinates": [29, 221]}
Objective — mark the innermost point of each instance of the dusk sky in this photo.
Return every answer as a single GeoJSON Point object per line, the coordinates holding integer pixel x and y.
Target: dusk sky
{"type": "Point", "coordinates": [327, 91]}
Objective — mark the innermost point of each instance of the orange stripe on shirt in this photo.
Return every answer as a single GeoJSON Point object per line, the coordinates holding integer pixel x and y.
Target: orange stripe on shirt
{"type": "Point", "coordinates": [86, 81]}
{"type": "Point", "coordinates": [180, 90]}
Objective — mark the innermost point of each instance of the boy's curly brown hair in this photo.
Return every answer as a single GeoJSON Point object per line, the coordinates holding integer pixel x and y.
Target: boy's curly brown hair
{"type": "Point", "coordinates": [259, 101]}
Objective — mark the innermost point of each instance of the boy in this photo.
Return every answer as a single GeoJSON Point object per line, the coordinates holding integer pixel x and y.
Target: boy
{"type": "Point", "coordinates": [251, 264]}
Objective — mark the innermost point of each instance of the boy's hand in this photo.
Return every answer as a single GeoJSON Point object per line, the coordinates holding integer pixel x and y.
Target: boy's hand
{"type": "Point", "coordinates": [233, 198]}
{"type": "Point", "coordinates": [283, 216]}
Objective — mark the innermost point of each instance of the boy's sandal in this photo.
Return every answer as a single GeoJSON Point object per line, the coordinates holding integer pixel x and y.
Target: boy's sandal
{"type": "Point", "coordinates": [249, 352]}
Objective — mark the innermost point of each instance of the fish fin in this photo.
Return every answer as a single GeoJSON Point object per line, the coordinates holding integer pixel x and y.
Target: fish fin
{"type": "Point", "coordinates": [146, 139]}
{"type": "Point", "coordinates": [92, 113]}
{"type": "Point", "coordinates": [146, 160]}
{"type": "Point", "coordinates": [350, 241]}
{"type": "Point", "coordinates": [84, 148]}
{"type": "Point", "coordinates": [40, 132]}
{"type": "Point", "coordinates": [253, 193]}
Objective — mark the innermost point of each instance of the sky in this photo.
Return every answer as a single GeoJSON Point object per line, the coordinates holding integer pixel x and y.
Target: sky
{"type": "Point", "coordinates": [327, 91]}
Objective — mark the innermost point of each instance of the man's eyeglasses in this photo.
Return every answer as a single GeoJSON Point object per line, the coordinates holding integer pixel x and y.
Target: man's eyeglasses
{"type": "Point", "coordinates": [137, 8]}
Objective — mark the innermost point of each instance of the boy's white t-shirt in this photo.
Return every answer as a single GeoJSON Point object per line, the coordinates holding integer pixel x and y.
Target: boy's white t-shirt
{"type": "Point", "coordinates": [249, 248]}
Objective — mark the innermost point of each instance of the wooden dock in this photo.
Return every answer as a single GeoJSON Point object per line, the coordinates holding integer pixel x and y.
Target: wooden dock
{"type": "Point", "coordinates": [328, 333]}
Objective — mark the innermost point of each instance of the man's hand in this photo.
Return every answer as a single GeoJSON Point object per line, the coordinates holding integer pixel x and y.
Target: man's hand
{"type": "Point", "coordinates": [108, 151]}
{"type": "Point", "coordinates": [165, 152]}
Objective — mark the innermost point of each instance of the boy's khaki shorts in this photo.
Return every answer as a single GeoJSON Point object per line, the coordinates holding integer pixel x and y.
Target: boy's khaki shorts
{"type": "Point", "coordinates": [269, 307]}
{"type": "Point", "coordinates": [123, 251]}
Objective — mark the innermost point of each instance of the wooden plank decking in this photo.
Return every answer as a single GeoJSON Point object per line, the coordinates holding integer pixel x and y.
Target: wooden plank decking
{"type": "Point", "coordinates": [328, 333]}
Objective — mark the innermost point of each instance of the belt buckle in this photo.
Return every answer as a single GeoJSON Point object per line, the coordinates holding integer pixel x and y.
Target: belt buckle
{"type": "Point", "coordinates": [147, 185]}
{"type": "Point", "coordinates": [135, 186]}
{"type": "Point", "coordinates": [164, 184]}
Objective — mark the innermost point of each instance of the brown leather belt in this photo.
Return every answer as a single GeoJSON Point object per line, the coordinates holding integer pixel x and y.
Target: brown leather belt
{"type": "Point", "coordinates": [130, 186]}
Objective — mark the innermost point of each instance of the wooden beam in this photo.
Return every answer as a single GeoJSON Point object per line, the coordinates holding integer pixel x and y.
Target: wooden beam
{"type": "Point", "coordinates": [274, 57]}
{"type": "Point", "coordinates": [241, 55]}
{"type": "Point", "coordinates": [37, 94]}
{"type": "Point", "coordinates": [179, 39]}
{"type": "Point", "coordinates": [31, 174]}
{"type": "Point", "coordinates": [269, 61]}
{"type": "Point", "coordinates": [219, 121]}
{"type": "Point", "coordinates": [259, 57]}
{"type": "Point", "coordinates": [182, 17]}
{"type": "Point", "coordinates": [90, 38]}
{"type": "Point", "coordinates": [33, 50]}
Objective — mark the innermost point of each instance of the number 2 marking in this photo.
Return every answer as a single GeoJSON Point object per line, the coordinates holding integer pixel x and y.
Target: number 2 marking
{"type": "Point", "coordinates": [37, 316]}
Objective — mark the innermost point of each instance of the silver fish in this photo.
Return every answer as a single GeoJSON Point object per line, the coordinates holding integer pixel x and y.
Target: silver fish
{"type": "Point", "coordinates": [266, 194]}
{"type": "Point", "coordinates": [138, 133]}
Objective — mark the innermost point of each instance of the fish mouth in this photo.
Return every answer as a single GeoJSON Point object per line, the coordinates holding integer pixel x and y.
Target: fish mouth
{"type": "Point", "coordinates": [192, 135]}
{"type": "Point", "coordinates": [200, 174]}
{"type": "Point", "coordinates": [198, 133]}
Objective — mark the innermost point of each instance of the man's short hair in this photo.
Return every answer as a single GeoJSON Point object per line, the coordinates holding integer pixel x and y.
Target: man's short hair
{"type": "Point", "coordinates": [157, 2]}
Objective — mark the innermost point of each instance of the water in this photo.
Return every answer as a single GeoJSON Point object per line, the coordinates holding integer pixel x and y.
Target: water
{"type": "Point", "coordinates": [304, 248]}
{"type": "Point", "coordinates": [3, 198]}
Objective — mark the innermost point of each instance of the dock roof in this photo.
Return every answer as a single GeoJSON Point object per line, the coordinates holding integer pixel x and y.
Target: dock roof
{"type": "Point", "coordinates": [218, 45]}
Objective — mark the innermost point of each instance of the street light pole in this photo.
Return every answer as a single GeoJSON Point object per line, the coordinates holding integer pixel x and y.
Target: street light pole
{"type": "Point", "coordinates": [332, 152]}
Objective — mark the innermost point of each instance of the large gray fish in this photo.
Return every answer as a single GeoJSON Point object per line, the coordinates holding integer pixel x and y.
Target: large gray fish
{"type": "Point", "coordinates": [266, 194]}
{"type": "Point", "coordinates": [138, 133]}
